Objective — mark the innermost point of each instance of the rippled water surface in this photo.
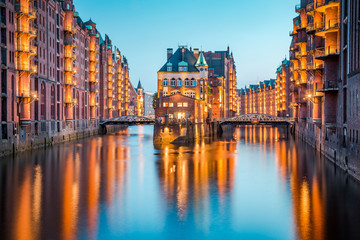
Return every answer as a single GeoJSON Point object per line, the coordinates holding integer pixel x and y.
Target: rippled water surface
{"type": "Point", "coordinates": [254, 186]}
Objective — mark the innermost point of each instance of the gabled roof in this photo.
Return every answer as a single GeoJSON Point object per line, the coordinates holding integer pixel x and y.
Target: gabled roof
{"type": "Point", "coordinates": [176, 58]}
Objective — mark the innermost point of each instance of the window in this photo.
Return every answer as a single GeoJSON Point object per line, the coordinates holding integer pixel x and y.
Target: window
{"type": "Point", "coordinates": [179, 104]}
{"type": "Point", "coordinates": [169, 68]}
{"type": "Point", "coordinates": [193, 82]}
{"type": "Point", "coordinates": [42, 100]}
{"type": "Point", "coordinates": [52, 102]}
{"type": "Point", "coordinates": [186, 82]}
{"type": "Point", "coordinates": [165, 94]}
{"type": "Point", "coordinates": [185, 104]}
{"type": "Point", "coordinates": [165, 104]}
{"type": "Point", "coordinates": [179, 82]}
{"type": "Point", "coordinates": [165, 83]}
{"type": "Point", "coordinates": [171, 104]}
{"type": "Point", "coordinates": [191, 94]}
{"type": "Point", "coordinates": [173, 82]}
{"type": "Point", "coordinates": [175, 92]}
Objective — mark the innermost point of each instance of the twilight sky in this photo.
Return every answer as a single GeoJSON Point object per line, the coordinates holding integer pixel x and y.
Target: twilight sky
{"type": "Point", "coordinates": [257, 32]}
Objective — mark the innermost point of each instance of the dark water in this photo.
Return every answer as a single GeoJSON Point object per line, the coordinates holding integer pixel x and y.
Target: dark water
{"type": "Point", "coordinates": [119, 187]}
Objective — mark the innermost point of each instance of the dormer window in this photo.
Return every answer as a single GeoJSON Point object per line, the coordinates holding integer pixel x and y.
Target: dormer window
{"type": "Point", "coordinates": [169, 66]}
{"type": "Point", "coordinates": [183, 66]}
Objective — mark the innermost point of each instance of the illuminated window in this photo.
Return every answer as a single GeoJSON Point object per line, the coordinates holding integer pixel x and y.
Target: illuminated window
{"type": "Point", "coordinates": [165, 104]}
{"type": "Point", "coordinates": [187, 82]}
{"type": "Point", "coordinates": [185, 104]}
{"type": "Point", "coordinates": [171, 104]}
{"type": "Point", "coordinates": [191, 94]}
{"type": "Point", "coordinates": [171, 116]}
{"type": "Point", "coordinates": [179, 104]}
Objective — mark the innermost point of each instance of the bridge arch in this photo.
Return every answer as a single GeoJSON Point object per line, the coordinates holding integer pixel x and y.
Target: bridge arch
{"type": "Point", "coordinates": [256, 118]}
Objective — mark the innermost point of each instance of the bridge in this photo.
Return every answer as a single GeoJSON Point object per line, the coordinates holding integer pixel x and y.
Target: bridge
{"type": "Point", "coordinates": [128, 120]}
{"type": "Point", "coordinates": [256, 119]}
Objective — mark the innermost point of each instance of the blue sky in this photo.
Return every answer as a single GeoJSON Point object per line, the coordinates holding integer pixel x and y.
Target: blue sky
{"type": "Point", "coordinates": [257, 32]}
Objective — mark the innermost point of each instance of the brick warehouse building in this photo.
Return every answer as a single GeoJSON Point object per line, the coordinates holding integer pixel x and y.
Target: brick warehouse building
{"type": "Point", "coordinates": [51, 66]}
{"type": "Point", "coordinates": [197, 85]}
{"type": "Point", "coordinates": [283, 96]}
{"type": "Point", "coordinates": [325, 66]}
{"type": "Point", "coordinates": [258, 98]}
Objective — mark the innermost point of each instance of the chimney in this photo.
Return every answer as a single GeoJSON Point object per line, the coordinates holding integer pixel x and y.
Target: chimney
{"type": "Point", "coordinates": [196, 52]}
{"type": "Point", "coordinates": [169, 53]}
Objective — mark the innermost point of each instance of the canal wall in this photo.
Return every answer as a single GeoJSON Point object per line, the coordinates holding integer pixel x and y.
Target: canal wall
{"type": "Point", "coordinates": [185, 133]}
{"type": "Point", "coordinates": [334, 149]}
{"type": "Point", "coordinates": [47, 139]}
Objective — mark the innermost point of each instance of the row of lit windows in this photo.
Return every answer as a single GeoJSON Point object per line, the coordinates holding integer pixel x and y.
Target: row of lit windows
{"type": "Point", "coordinates": [179, 104]}
{"type": "Point", "coordinates": [179, 82]}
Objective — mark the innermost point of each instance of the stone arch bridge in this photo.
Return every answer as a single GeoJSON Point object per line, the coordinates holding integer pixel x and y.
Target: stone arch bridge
{"type": "Point", "coordinates": [256, 119]}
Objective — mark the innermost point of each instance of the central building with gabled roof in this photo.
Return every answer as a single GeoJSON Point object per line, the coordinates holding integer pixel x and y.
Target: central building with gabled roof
{"type": "Point", "coordinates": [183, 86]}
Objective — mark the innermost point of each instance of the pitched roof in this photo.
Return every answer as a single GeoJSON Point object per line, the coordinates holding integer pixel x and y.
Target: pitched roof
{"type": "Point", "coordinates": [201, 60]}
{"type": "Point", "coordinates": [139, 85]}
{"type": "Point", "coordinates": [176, 58]}
{"type": "Point", "coordinates": [89, 22]}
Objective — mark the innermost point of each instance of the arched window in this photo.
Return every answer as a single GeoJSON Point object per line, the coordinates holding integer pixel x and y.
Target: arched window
{"type": "Point", "coordinates": [42, 101]}
{"type": "Point", "coordinates": [191, 94]}
{"type": "Point", "coordinates": [165, 82]}
{"type": "Point", "coordinates": [173, 82]}
{"type": "Point", "coordinates": [193, 82]}
{"type": "Point", "coordinates": [179, 82]}
{"type": "Point", "coordinates": [175, 92]}
{"type": "Point", "coordinates": [187, 82]}
{"type": "Point", "coordinates": [52, 102]}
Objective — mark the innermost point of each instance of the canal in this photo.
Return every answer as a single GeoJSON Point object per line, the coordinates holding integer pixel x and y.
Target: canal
{"type": "Point", "coordinates": [255, 185]}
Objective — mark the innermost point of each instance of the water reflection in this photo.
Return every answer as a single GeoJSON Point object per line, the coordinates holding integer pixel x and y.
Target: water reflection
{"type": "Point", "coordinates": [255, 185]}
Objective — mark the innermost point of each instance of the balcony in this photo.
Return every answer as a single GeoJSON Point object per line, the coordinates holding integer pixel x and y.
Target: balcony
{"type": "Point", "coordinates": [68, 100]}
{"type": "Point", "coordinates": [70, 43]}
{"type": "Point", "coordinates": [22, 9]}
{"type": "Point", "coordinates": [322, 5]}
{"type": "Point", "coordinates": [300, 54]}
{"type": "Point", "coordinates": [70, 55]}
{"type": "Point", "coordinates": [310, 8]}
{"type": "Point", "coordinates": [27, 68]}
{"type": "Point", "coordinates": [70, 30]}
{"type": "Point", "coordinates": [314, 66]}
{"type": "Point", "coordinates": [23, 29]}
{"type": "Point", "coordinates": [310, 28]}
{"type": "Point", "coordinates": [70, 82]}
{"type": "Point", "coordinates": [329, 86]}
{"type": "Point", "coordinates": [329, 26]}
{"type": "Point", "coordinates": [323, 53]}
{"type": "Point", "coordinates": [26, 48]}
